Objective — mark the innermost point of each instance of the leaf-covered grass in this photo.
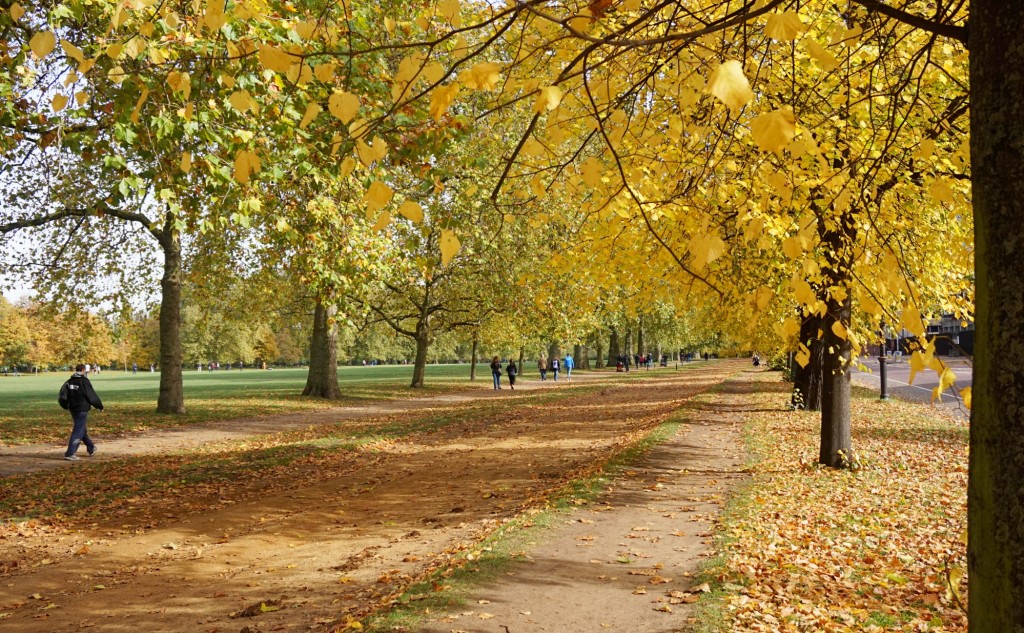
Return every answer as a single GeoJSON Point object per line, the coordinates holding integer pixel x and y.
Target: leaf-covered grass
{"type": "Point", "coordinates": [865, 550]}
{"type": "Point", "coordinates": [29, 411]}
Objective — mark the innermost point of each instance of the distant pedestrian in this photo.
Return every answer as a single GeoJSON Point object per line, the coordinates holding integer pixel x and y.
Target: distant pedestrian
{"type": "Point", "coordinates": [512, 370]}
{"type": "Point", "coordinates": [554, 368]}
{"type": "Point", "coordinates": [542, 367]}
{"type": "Point", "coordinates": [569, 364]}
{"type": "Point", "coordinates": [81, 397]}
{"type": "Point", "coordinates": [496, 372]}
{"type": "Point", "coordinates": [135, 368]}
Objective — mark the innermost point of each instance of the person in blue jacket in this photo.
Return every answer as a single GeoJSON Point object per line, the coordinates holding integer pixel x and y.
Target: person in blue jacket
{"type": "Point", "coordinates": [569, 363]}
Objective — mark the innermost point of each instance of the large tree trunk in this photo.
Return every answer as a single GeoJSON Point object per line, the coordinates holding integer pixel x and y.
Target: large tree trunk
{"type": "Point", "coordinates": [995, 504]}
{"type": "Point", "coordinates": [599, 364]}
{"type": "Point", "coordinates": [578, 356]}
{"type": "Point", "coordinates": [641, 343]}
{"type": "Point", "coordinates": [422, 345]}
{"type": "Point", "coordinates": [472, 366]}
{"type": "Point", "coordinates": [836, 448]}
{"type": "Point", "coordinates": [629, 345]}
{"type": "Point", "coordinates": [171, 398]}
{"type": "Point", "coordinates": [613, 348]}
{"type": "Point", "coordinates": [322, 380]}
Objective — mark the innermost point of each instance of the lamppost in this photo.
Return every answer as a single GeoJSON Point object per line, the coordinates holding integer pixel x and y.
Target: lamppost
{"type": "Point", "coordinates": [882, 387]}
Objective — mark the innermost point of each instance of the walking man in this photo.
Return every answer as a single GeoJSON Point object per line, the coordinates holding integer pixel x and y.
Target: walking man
{"type": "Point", "coordinates": [81, 397]}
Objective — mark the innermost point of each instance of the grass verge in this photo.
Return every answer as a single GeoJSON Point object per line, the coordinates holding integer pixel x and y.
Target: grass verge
{"type": "Point", "coordinates": [803, 547]}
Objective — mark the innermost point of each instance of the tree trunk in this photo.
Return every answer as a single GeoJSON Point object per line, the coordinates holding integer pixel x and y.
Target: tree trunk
{"type": "Point", "coordinates": [577, 356]}
{"type": "Point", "coordinates": [422, 345]}
{"type": "Point", "coordinates": [171, 398]}
{"type": "Point", "coordinates": [641, 343]}
{"type": "Point", "coordinates": [995, 505]}
{"type": "Point", "coordinates": [599, 364]}
{"type": "Point", "coordinates": [585, 357]}
{"type": "Point", "coordinates": [322, 380]}
{"type": "Point", "coordinates": [522, 358]}
{"type": "Point", "coordinates": [472, 366]}
{"type": "Point", "coordinates": [836, 446]}
{"type": "Point", "coordinates": [807, 380]}
{"type": "Point", "coordinates": [839, 241]}
{"type": "Point", "coordinates": [613, 348]}
{"type": "Point", "coordinates": [554, 351]}
{"type": "Point", "coordinates": [629, 346]}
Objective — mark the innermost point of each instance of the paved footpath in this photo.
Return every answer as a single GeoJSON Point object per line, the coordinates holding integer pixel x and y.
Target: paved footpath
{"type": "Point", "coordinates": [28, 458]}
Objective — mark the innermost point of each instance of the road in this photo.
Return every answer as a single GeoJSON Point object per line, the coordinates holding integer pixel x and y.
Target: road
{"type": "Point", "coordinates": [898, 381]}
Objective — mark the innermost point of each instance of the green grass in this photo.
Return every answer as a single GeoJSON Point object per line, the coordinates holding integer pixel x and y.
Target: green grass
{"type": "Point", "coordinates": [29, 411]}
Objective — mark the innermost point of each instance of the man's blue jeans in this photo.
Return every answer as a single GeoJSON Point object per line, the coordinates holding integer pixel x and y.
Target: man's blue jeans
{"type": "Point", "coordinates": [497, 380]}
{"type": "Point", "coordinates": [568, 373]}
{"type": "Point", "coordinates": [79, 434]}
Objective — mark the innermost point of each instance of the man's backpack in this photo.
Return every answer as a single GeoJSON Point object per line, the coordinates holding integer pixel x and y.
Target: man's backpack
{"type": "Point", "coordinates": [64, 397]}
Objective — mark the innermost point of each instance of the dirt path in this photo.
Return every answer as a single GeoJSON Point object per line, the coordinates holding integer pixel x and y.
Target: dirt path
{"type": "Point", "coordinates": [315, 554]}
{"type": "Point", "coordinates": [627, 561]}
{"type": "Point", "coordinates": [20, 460]}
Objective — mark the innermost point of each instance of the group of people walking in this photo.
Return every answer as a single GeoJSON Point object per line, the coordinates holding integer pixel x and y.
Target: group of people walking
{"type": "Point", "coordinates": [543, 366]}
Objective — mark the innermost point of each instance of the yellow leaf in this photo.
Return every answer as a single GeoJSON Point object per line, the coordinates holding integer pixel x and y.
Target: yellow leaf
{"type": "Point", "coordinates": [730, 86]}
{"type": "Point", "coordinates": [803, 292]}
{"type": "Point", "coordinates": [347, 166]}
{"type": "Point", "coordinates": [422, 22]}
{"type": "Point", "coordinates": [762, 297]}
{"type": "Point", "coordinates": [214, 18]}
{"type": "Point", "coordinates": [912, 321]}
{"type": "Point", "coordinates": [783, 26]}
{"type": "Point", "coordinates": [42, 44]}
{"type": "Point", "coordinates": [592, 172]}
{"type": "Point", "coordinates": [705, 249]}
{"type": "Point", "coordinates": [186, 162]}
{"type": "Point", "coordinates": [59, 102]}
{"type": "Point", "coordinates": [267, 609]}
{"type": "Point", "coordinates": [324, 72]}
{"type": "Point", "coordinates": [548, 99]}
{"type": "Point", "coordinates": [792, 247]}
{"type": "Point", "coordinates": [839, 330]}
{"type": "Point", "coordinates": [389, 26]}
{"type": "Point", "coordinates": [946, 380]}
{"type": "Point", "coordinates": [441, 99]}
{"type": "Point", "coordinates": [483, 76]}
{"type": "Point", "coordinates": [449, 246]}
{"type": "Point", "coordinates": [16, 11]}
{"type": "Point", "coordinates": [791, 327]}
{"type": "Point", "coordinates": [312, 110]}
{"type": "Point", "coordinates": [448, 9]}
{"type": "Point", "coordinates": [344, 106]}
{"type": "Point", "coordinates": [81, 97]}
{"type": "Point", "coordinates": [275, 59]}
{"type": "Point", "coordinates": [180, 82]}
{"type": "Point", "coordinates": [772, 131]}
{"type": "Point", "coordinates": [246, 163]}
{"type": "Point", "coordinates": [382, 221]}
{"type": "Point", "coordinates": [377, 196]}
{"type": "Point", "coordinates": [72, 51]}
{"type": "Point", "coordinates": [925, 150]}
{"type": "Point", "coordinates": [966, 394]}
{"type": "Point", "coordinates": [433, 72]}
{"type": "Point", "coordinates": [146, 29]}
{"type": "Point", "coordinates": [240, 100]}
{"type": "Point", "coordinates": [826, 59]}
{"type": "Point", "coordinates": [940, 191]}
{"type": "Point", "coordinates": [411, 210]}
{"type": "Point", "coordinates": [803, 355]}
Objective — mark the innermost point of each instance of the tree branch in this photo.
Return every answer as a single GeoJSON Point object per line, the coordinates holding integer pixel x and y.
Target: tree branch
{"type": "Point", "coordinates": [952, 31]}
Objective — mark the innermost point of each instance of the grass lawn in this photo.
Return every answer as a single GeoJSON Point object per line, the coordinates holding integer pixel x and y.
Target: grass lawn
{"type": "Point", "coordinates": [29, 412]}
